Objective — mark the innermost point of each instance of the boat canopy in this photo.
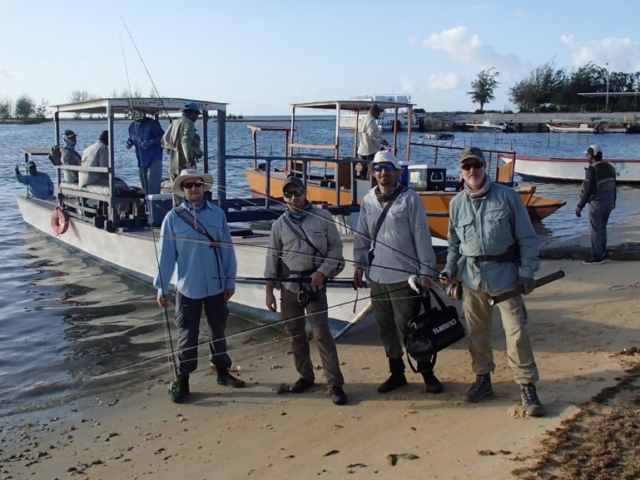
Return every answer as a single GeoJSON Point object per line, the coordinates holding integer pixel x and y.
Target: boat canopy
{"type": "Point", "coordinates": [353, 105]}
{"type": "Point", "coordinates": [150, 105]}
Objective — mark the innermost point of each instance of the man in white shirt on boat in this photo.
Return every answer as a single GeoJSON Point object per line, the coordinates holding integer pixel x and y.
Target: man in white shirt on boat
{"type": "Point", "coordinates": [369, 138]}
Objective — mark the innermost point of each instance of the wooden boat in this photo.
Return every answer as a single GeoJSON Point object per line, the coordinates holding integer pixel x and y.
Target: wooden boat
{"type": "Point", "coordinates": [87, 220]}
{"type": "Point", "coordinates": [575, 128]}
{"type": "Point", "coordinates": [571, 169]}
{"type": "Point", "coordinates": [339, 181]}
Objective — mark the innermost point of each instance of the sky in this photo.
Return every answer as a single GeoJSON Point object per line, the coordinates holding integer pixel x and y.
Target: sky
{"type": "Point", "coordinates": [261, 56]}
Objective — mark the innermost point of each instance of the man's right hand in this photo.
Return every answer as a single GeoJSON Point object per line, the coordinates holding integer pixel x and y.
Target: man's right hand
{"type": "Point", "coordinates": [446, 277]}
{"type": "Point", "coordinates": [271, 302]}
{"type": "Point", "coordinates": [129, 144]}
{"type": "Point", "coordinates": [163, 301]}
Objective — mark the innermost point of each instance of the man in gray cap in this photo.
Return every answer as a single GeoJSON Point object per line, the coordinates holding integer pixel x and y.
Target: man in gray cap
{"type": "Point", "coordinates": [599, 191]}
{"type": "Point", "coordinates": [178, 141]}
{"type": "Point", "coordinates": [69, 156]}
{"type": "Point", "coordinates": [305, 243]}
{"type": "Point", "coordinates": [369, 137]}
{"type": "Point", "coordinates": [493, 248]}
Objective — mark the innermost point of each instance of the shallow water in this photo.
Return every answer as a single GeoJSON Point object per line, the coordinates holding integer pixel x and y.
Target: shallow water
{"type": "Point", "coordinates": [71, 327]}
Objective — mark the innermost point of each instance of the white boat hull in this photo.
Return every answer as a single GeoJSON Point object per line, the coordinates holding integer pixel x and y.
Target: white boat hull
{"type": "Point", "coordinates": [571, 169]}
{"type": "Point", "coordinates": [135, 253]}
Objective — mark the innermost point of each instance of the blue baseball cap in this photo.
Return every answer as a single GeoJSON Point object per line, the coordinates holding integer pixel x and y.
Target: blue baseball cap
{"type": "Point", "coordinates": [193, 106]}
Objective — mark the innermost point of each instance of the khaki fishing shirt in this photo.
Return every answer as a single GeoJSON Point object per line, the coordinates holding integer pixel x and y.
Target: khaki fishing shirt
{"type": "Point", "coordinates": [288, 253]}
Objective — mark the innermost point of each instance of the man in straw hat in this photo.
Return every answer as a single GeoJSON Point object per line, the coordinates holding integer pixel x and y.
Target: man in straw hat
{"type": "Point", "coordinates": [389, 252]}
{"type": "Point", "coordinates": [493, 248]}
{"type": "Point", "coordinates": [196, 242]}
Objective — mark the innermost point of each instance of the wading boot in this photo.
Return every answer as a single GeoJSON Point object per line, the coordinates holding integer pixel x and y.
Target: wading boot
{"type": "Point", "coordinates": [430, 380]}
{"type": "Point", "coordinates": [530, 401]}
{"type": "Point", "coordinates": [481, 388]}
{"type": "Point", "coordinates": [179, 390]}
{"type": "Point", "coordinates": [225, 378]}
{"type": "Point", "coordinates": [397, 378]}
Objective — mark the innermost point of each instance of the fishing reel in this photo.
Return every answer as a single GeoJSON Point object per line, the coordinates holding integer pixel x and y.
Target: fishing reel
{"type": "Point", "coordinates": [453, 290]}
{"type": "Point", "coordinates": [305, 296]}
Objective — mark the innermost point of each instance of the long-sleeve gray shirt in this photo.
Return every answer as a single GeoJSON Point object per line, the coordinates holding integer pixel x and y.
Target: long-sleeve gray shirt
{"type": "Point", "coordinates": [403, 246]}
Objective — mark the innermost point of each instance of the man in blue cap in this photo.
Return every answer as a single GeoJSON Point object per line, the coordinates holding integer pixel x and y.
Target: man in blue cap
{"type": "Point", "coordinates": [145, 134]}
{"type": "Point", "coordinates": [40, 184]}
{"type": "Point", "coordinates": [178, 141]}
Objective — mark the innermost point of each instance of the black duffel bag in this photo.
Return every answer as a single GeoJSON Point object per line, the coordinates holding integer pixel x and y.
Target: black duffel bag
{"type": "Point", "coordinates": [433, 330]}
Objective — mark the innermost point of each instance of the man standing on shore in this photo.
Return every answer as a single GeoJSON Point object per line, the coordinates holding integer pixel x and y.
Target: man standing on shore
{"type": "Point", "coordinates": [493, 248]}
{"type": "Point", "coordinates": [196, 242]}
{"type": "Point", "coordinates": [392, 242]}
{"type": "Point", "coordinates": [599, 191]}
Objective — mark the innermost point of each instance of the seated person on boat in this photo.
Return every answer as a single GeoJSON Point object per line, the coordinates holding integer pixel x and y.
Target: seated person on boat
{"type": "Point", "coordinates": [69, 156]}
{"type": "Point", "coordinates": [39, 183]}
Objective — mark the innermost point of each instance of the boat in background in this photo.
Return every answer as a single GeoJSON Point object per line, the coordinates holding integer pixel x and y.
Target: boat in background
{"type": "Point", "coordinates": [570, 169]}
{"type": "Point", "coordinates": [438, 136]}
{"type": "Point", "coordinates": [387, 120]}
{"type": "Point", "coordinates": [590, 128]}
{"type": "Point", "coordinates": [488, 125]}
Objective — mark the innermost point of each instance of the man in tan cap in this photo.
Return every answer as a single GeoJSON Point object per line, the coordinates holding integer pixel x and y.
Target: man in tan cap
{"type": "Point", "coordinates": [493, 248]}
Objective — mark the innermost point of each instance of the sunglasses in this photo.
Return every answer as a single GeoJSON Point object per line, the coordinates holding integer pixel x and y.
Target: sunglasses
{"type": "Point", "coordinates": [294, 193]}
{"type": "Point", "coordinates": [190, 185]}
{"type": "Point", "coordinates": [469, 166]}
{"type": "Point", "coordinates": [389, 167]}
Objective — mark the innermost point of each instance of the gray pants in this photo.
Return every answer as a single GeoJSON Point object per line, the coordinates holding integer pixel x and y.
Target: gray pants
{"type": "Point", "coordinates": [394, 305]}
{"type": "Point", "coordinates": [478, 315]}
{"type": "Point", "coordinates": [599, 211]}
{"type": "Point", "coordinates": [187, 319]}
{"type": "Point", "coordinates": [293, 314]}
{"type": "Point", "coordinates": [151, 177]}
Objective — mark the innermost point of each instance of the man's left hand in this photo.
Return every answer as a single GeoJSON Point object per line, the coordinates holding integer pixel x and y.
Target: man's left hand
{"type": "Point", "coordinates": [578, 212]}
{"type": "Point", "coordinates": [317, 279]}
{"type": "Point", "coordinates": [146, 144]}
{"type": "Point", "coordinates": [228, 293]}
{"type": "Point", "coordinates": [528, 284]}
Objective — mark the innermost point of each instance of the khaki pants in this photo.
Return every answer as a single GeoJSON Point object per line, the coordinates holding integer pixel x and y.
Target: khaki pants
{"type": "Point", "coordinates": [394, 305]}
{"type": "Point", "coordinates": [478, 315]}
{"type": "Point", "coordinates": [293, 314]}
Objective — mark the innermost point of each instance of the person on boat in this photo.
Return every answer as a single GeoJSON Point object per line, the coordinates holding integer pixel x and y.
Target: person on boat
{"type": "Point", "coordinates": [145, 134]}
{"type": "Point", "coordinates": [305, 242]}
{"type": "Point", "coordinates": [599, 191]}
{"type": "Point", "coordinates": [195, 242]}
{"type": "Point", "coordinates": [39, 183]}
{"type": "Point", "coordinates": [393, 242]}
{"type": "Point", "coordinates": [69, 156]}
{"type": "Point", "coordinates": [178, 141]}
{"type": "Point", "coordinates": [369, 139]}
{"type": "Point", "coordinates": [493, 248]}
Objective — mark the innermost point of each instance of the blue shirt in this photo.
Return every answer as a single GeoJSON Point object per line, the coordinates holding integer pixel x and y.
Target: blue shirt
{"type": "Point", "coordinates": [40, 185]}
{"type": "Point", "coordinates": [202, 271]}
{"type": "Point", "coordinates": [489, 225]}
{"type": "Point", "coordinates": [149, 130]}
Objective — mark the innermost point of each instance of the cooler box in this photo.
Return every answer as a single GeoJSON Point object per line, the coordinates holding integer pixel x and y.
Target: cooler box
{"type": "Point", "coordinates": [159, 206]}
{"type": "Point", "coordinates": [427, 178]}
{"type": "Point", "coordinates": [404, 176]}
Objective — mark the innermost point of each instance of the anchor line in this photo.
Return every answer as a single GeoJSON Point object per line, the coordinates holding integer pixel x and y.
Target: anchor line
{"type": "Point", "coordinates": [249, 331]}
{"type": "Point", "coordinates": [358, 233]}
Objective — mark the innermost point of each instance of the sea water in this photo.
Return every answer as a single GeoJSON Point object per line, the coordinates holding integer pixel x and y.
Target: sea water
{"type": "Point", "coordinates": [71, 327]}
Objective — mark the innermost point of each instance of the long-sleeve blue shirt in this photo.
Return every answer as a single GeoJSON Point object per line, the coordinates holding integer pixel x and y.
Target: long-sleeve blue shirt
{"type": "Point", "coordinates": [149, 130]}
{"type": "Point", "coordinates": [40, 185]}
{"type": "Point", "coordinates": [202, 271]}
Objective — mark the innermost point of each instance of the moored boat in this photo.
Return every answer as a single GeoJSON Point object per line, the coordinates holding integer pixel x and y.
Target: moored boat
{"type": "Point", "coordinates": [388, 120]}
{"type": "Point", "coordinates": [489, 125]}
{"type": "Point", "coordinates": [593, 128]}
{"type": "Point", "coordinates": [571, 169]}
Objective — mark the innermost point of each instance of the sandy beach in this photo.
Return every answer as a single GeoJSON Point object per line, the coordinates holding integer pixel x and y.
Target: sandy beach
{"type": "Point", "coordinates": [585, 334]}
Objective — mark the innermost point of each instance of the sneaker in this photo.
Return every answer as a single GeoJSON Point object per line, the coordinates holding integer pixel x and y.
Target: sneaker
{"type": "Point", "coordinates": [179, 390]}
{"type": "Point", "coordinates": [530, 401]}
{"type": "Point", "coordinates": [480, 389]}
{"type": "Point", "coordinates": [593, 262]}
{"type": "Point", "coordinates": [301, 385]}
{"type": "Point", "coordinates": [338, 396]}
{"type": "Point", "coordinates": [225, 378]}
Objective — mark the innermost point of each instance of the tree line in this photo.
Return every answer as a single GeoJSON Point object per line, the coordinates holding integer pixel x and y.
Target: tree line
{"type": "Point", "coordinates": [549, 88]}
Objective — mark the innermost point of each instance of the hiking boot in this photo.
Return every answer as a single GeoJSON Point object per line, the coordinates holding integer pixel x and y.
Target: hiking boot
{"type": "Point", "coordinates": [338, 396]}
{"type": "Point", "coordinates": [179, 390]}
{"type": "Point", "coordinates": [301, 385]}
{"type": "Point", "coordinates": [530, 401]}
{"type": "Point", "coordinates": [397, 378]}
{"type": "Point", "coordinates": [225, 378]}
{"type": "Point", "coordinates": [481, 388]}
{"type": "Point", "coordinates": [430, 380]}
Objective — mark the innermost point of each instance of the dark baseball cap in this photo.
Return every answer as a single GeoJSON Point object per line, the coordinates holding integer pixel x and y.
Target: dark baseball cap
{"type": "Point", "coordinates": [292, 181]}
{"type": "Point", "coordinates": [69, 133]}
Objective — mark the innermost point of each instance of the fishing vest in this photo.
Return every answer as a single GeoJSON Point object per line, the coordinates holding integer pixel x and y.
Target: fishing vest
{"type": "Point", "coordinates": [605, 178]}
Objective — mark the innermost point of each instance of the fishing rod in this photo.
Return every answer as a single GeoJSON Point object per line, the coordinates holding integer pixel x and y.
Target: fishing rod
{"type": "Point", "coordinates": [519, 290]}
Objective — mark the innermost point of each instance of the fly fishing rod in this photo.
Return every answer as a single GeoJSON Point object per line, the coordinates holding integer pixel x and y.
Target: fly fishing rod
{"type": "Point", "coordinates": [552, 277]}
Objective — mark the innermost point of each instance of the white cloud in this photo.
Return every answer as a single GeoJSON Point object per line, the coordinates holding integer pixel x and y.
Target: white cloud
{"type": "Point", "coordinates": [442, 82]}
{"type": "Point", "coordinates": [622, 54]}
{"type": "Point", "coordinates": [468, 49]}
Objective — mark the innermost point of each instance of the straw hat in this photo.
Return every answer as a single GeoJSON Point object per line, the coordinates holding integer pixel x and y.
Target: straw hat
{"type": "Point", "coordinates": [193, 174]}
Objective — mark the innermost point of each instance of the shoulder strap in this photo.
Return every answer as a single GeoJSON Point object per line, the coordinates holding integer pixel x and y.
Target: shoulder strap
{"type": "Point", "coordinates": [190, 220]}
{"type": "Point", "coordinates": [302, 235]}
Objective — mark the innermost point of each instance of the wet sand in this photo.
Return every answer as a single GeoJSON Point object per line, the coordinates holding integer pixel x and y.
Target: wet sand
{"type": "Point", "coordinates": [585, 335]}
